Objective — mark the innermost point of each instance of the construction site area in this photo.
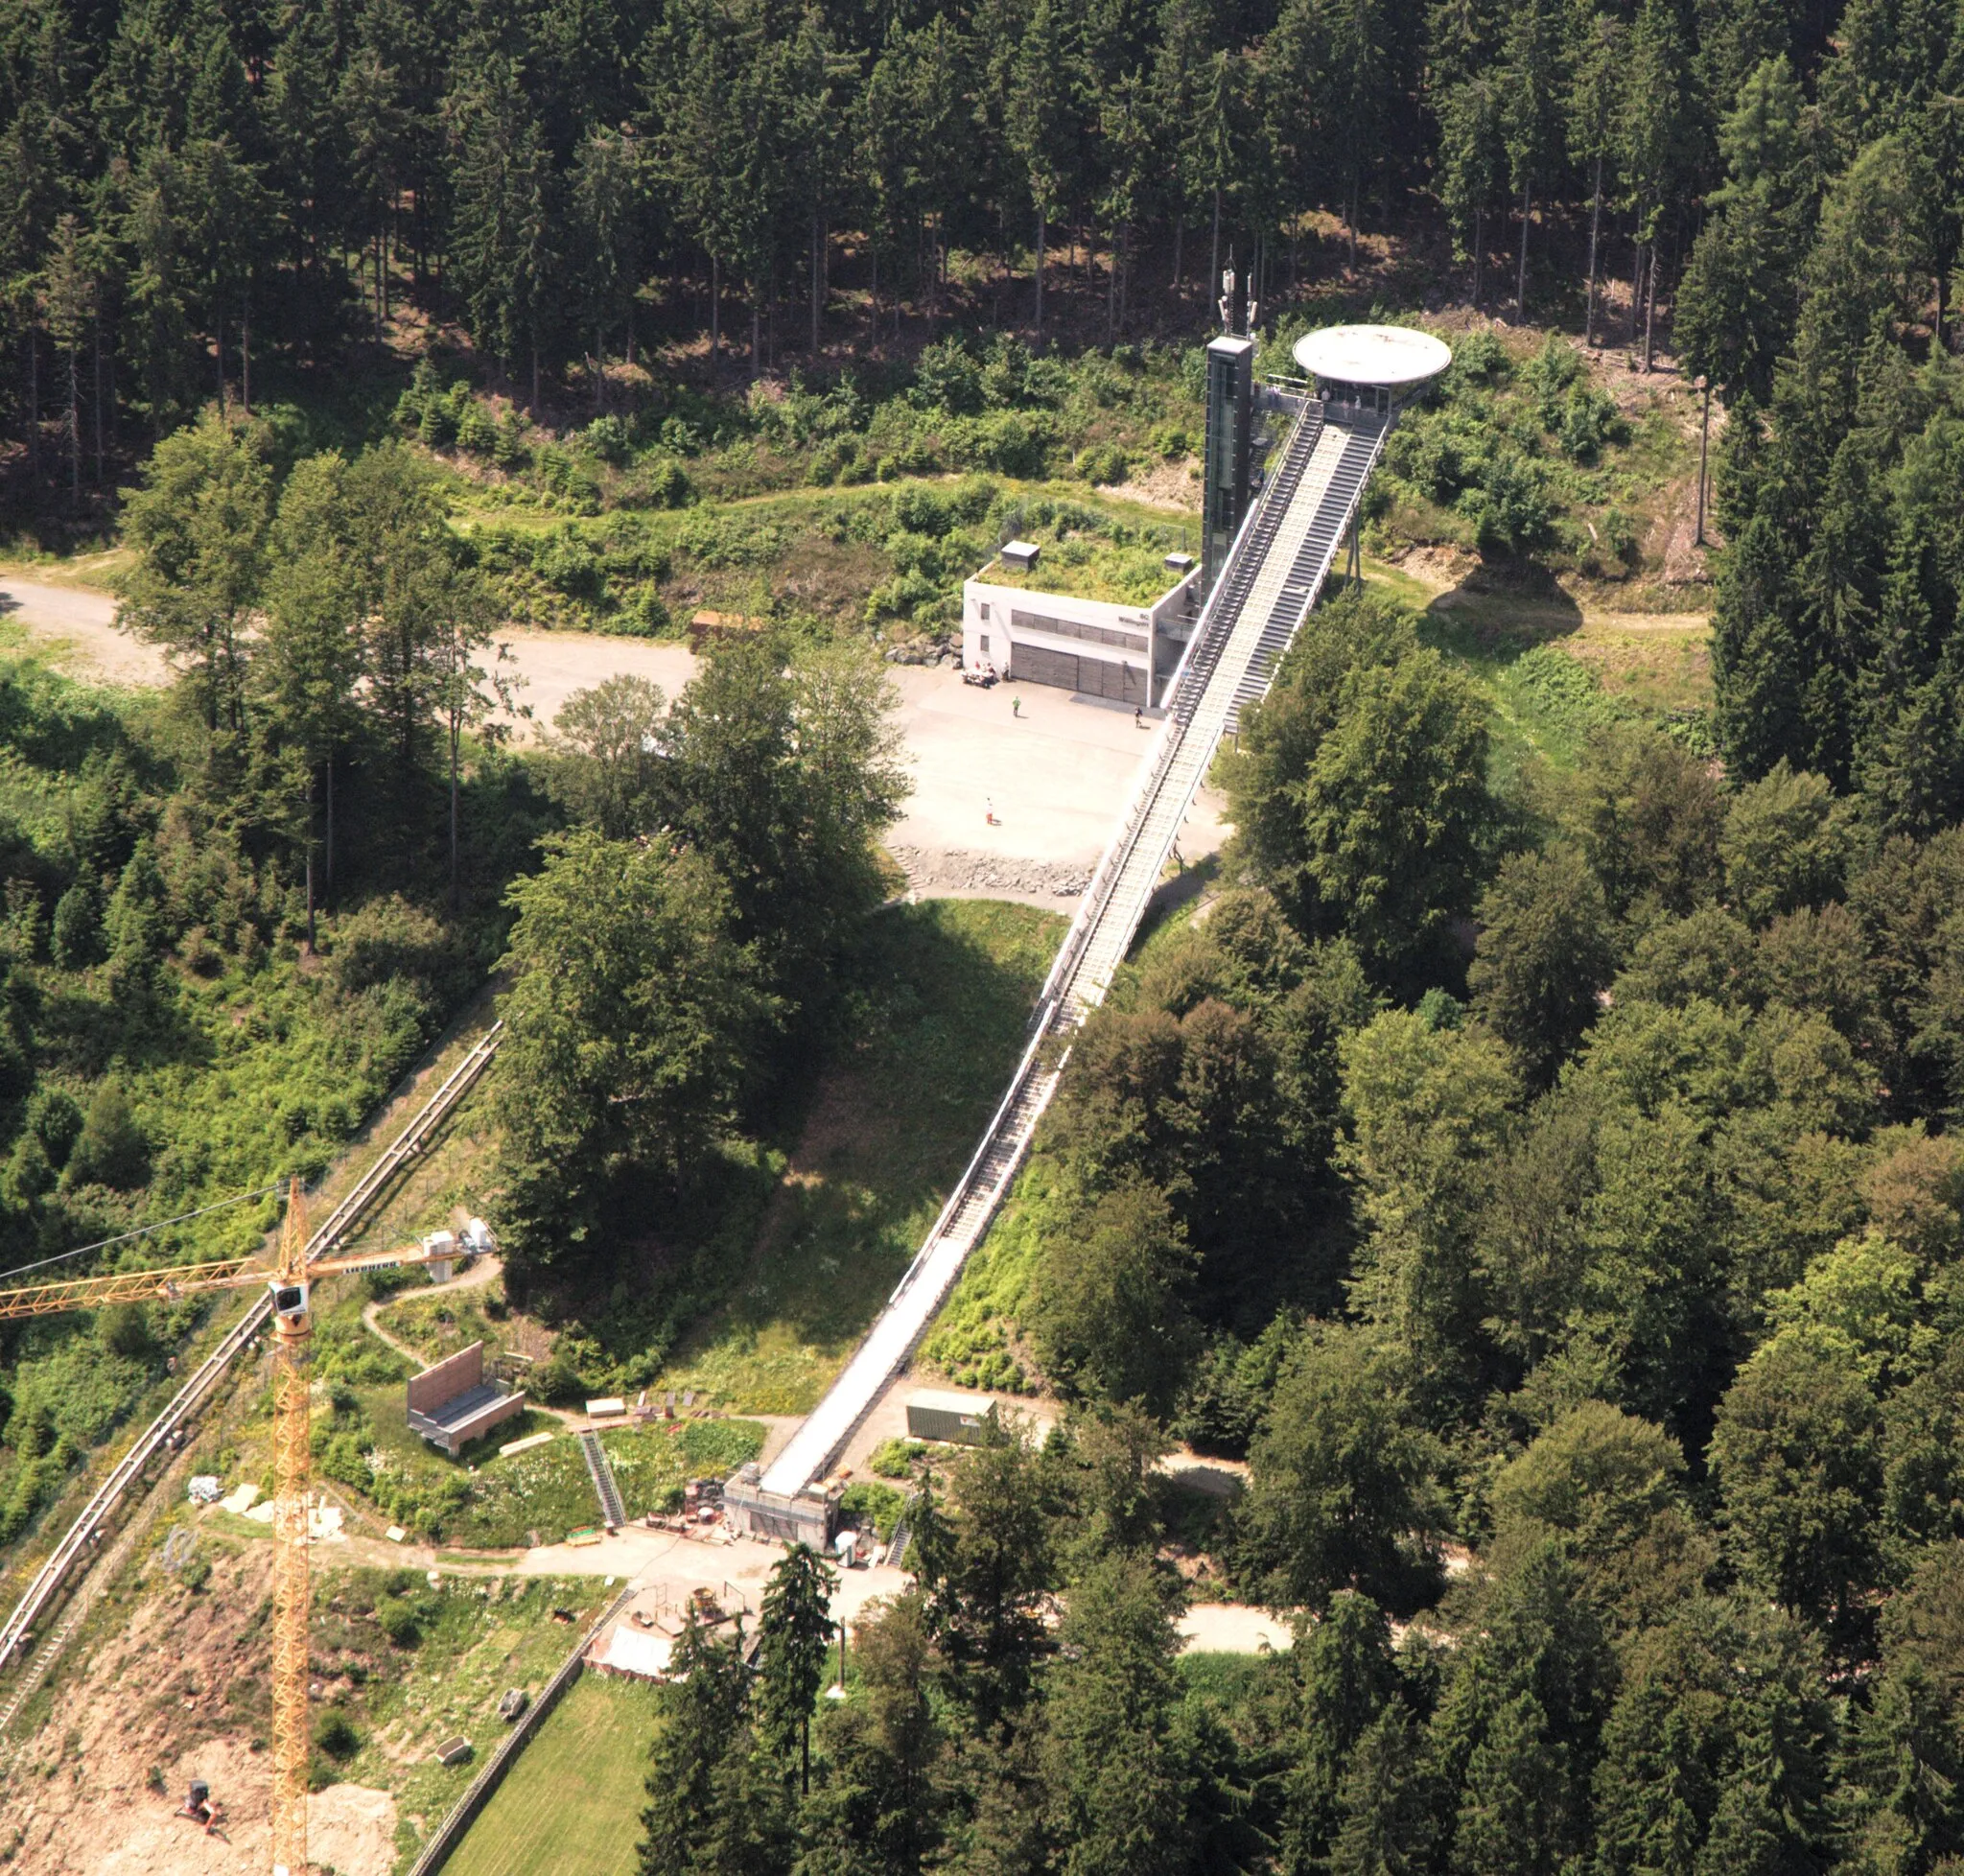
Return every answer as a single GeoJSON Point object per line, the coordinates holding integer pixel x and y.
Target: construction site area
{"type": "Point", "coordinates": [246, 1648]}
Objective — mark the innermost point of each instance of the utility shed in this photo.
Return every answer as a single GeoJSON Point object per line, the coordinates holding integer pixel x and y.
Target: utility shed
{"type": "Point", "coordinates": [942, 1413]}
{"type": "Point", "coordinates": [451, 1403]}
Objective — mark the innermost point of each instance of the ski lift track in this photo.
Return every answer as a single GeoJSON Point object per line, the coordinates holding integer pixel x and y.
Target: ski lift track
{"type": "Point", "coordinates": [71, 1558]}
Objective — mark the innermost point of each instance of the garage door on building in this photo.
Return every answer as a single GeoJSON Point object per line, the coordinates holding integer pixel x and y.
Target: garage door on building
{"type": "Point", "coordinates": [1033, 664]}
{"type": "Point", "coordinates": [1092, 677]}
{"type": "Point", "coordinates": [1127, 683]}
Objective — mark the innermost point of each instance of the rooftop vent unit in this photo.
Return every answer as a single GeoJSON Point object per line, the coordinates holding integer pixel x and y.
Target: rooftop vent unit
{"type": "Point", "coordinates": [1020, 556]}
{"type": "Point", "coordinates": [1179, 564]}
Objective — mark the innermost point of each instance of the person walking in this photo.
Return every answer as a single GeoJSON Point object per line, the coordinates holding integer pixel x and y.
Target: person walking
{"type": "Point", "coordinates": [1015, 707]}
{"type": "Point", "coordinates": [1138, 717]}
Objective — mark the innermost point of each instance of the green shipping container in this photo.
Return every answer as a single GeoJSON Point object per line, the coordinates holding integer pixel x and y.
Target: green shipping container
{"type": "Point", "coordinates": [938, 1414]}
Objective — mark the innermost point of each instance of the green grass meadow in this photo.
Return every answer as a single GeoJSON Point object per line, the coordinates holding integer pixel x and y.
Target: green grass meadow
{"type": "Point", "coordinates": [948, 986]}
{"type": "Point", "coordinates": [570, 1805]}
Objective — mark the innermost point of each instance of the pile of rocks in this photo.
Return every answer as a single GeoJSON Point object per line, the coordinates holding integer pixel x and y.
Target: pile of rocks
{"type": "Point", "coordinates": [960, 869]}
{"type": "Point", "coordinates": [922, 651]}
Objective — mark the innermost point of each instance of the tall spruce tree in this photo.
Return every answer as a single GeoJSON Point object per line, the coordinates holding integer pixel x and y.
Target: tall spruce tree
{"type": "Point", "coordinates": [794, 1630]}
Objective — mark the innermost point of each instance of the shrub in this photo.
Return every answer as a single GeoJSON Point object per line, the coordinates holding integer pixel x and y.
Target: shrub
{"type": "Point", "coordinates": [75, 939]}
{"type": "Point", "coordinates": [972, 498]}
{"type": "Point", "coordinates": [1510, 510]}
{"type": "Point", "coordinates": [1005, 373]}
{"type": "Point", "coordinates": [1103, 462]}
{"type": "Point", "coordinates": [1009, 444]}
{"type": "Point", "coordinates": [909, 595]}
{"type": "Point", "coordinates": [832, 458]}
{"type": "Point", "coordinates": [124, 1330]}
{"type": "Point", "coordinates": [729, 540]}
{"type": "Point", "coordinates": [1480, 359]}
{"type": "Point", "coordinates": [1588, 420]}
{"type": "Point", "coordinates": [392, 965]}
{"type": "Point", "coordinates": [1439, 452]}
{"type": "Point", "coordinates": [378, 1285]}
{"type": "Point", "coordinates": [644, 615]}
{"type": "Point", "coordinates": [1046, 381]}
{"type": "Point", "coordinates": [662, 482]}
{"type": "Point", "coordinates": [439, 425]}
{"type": "Point", "coordinates": [679, 435]}
{"type": "Point", "coordinates": [333, 1734]}
{"type": "Point", "coordinates": [55, 1122]}
{"type": "Point", "coordinates": [915, 554]}
{"type": "Point", "coordinates": [476, 433]}
{"type": "Point", "coordinates": [110, 1150]}
{"type": "Point", "coordinates": [1620, 536]}
{"type": "Point", "coordinates": [893, 1459]}
{"type": "Point", "coordinates": [556, 1381]}
{"type": "Point", "coordinates": [948, 376]}
{"type": "Point", "coordinates": [400, 1621]}
{"type": "Point", "coordinates": [628, 551]}
{"type": "Point", "coordinates": [569, 566]}
{"type": "Point", "coordinates": [923, 511]}
{"type": "Point", "coordinates": [569, 479]}
{"type": "Point", "coordinates": [1552, 372]}
{"type": "Point", "coordinates": [877, 1505]}
{"type": "Point", "coordinates": [422, 391]}
{"type": "Point", "coordinates": [608, 439]}
{"type": "Point", "coordinates": [510, 447]}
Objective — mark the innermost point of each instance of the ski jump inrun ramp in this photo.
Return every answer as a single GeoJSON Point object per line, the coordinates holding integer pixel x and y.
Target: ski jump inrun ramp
{"type": "Point", "coordinates": [1272, 576]}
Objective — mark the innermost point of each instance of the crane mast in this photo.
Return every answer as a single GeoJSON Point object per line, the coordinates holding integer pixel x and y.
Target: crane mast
{"type": "Point", "coordinates": [293, 1331]}
{"type": "Point", "coordinates": [290, 1282]}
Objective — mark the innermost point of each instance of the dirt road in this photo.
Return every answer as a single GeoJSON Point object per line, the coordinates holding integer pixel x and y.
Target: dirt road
{"type": "Point", "coordinates": [73, 625]}
{"type": "Point", "coordinates": [1054, 778]}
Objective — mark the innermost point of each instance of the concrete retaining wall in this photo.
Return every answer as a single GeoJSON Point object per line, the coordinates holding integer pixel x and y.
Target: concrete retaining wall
{"type": "Point", "coordinates": [463, 1814]}
{"type": "Point", "coordinates": [452, 1375]}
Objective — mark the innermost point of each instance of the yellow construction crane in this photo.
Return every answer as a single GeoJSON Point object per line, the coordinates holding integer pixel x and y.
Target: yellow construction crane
{"type": "Point", "coordinates": [289, 1281]}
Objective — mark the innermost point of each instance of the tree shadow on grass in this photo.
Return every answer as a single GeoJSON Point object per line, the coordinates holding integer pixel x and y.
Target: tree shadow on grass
{"type": "Point", "coordinates": [939, 1000]}
{"type": "Point", "coordinates": [1489, 621]}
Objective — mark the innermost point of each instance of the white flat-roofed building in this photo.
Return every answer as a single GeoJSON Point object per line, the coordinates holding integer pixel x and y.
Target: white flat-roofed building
{"type": "Point", "coordinates": [1093, 647]}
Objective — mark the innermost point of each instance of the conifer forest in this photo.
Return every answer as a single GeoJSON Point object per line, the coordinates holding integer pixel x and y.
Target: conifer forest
{"type": "Point", "coordinates": [1528, 1178]}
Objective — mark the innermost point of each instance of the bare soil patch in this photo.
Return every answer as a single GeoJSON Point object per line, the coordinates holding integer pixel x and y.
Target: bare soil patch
{"type": "Point", "coordinates": [1175, 486]}
{"type": "Point", "coordinates": [177, 1682]}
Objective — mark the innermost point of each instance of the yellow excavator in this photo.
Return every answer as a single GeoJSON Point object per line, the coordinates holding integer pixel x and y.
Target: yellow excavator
{"type": "Point", "coordinates": [290, 1282]}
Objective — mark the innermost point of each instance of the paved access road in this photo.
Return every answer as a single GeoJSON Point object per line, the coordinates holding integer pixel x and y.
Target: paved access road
{"type": "Point", "coordinates": [1054, 778]}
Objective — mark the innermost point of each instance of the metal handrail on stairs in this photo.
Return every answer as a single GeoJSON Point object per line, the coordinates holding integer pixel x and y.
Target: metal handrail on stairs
{"type": "Point", "coordinates": [1065, 1001]}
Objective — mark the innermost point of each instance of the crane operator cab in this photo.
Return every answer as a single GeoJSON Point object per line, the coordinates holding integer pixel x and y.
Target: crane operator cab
{"type": "Point", "coordinates": [288, 1301]}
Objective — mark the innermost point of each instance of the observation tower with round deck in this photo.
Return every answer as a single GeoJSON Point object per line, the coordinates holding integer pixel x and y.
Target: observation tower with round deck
{"type": "Point", "coordinates": [1372, 368]}
{"type": "Point", "coordinates": [1276, 516]}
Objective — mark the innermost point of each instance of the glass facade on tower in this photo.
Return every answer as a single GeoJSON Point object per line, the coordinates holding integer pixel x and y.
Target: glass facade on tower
{"type": "Point", "coordinates": [1230, 424]}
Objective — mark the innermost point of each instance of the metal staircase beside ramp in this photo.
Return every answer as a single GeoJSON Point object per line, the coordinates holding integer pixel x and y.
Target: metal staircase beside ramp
{"type": "Point", "coordinates": [1364, 442]}
{"type": "Point", "coordinates": [1274, 576]}
{"type": "Point", "coordinates": [613, 1512]}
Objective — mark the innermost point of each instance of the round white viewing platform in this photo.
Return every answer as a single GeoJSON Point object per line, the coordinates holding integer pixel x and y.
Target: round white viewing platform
{"type": "Point", "coordinates": [1385, 356]}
